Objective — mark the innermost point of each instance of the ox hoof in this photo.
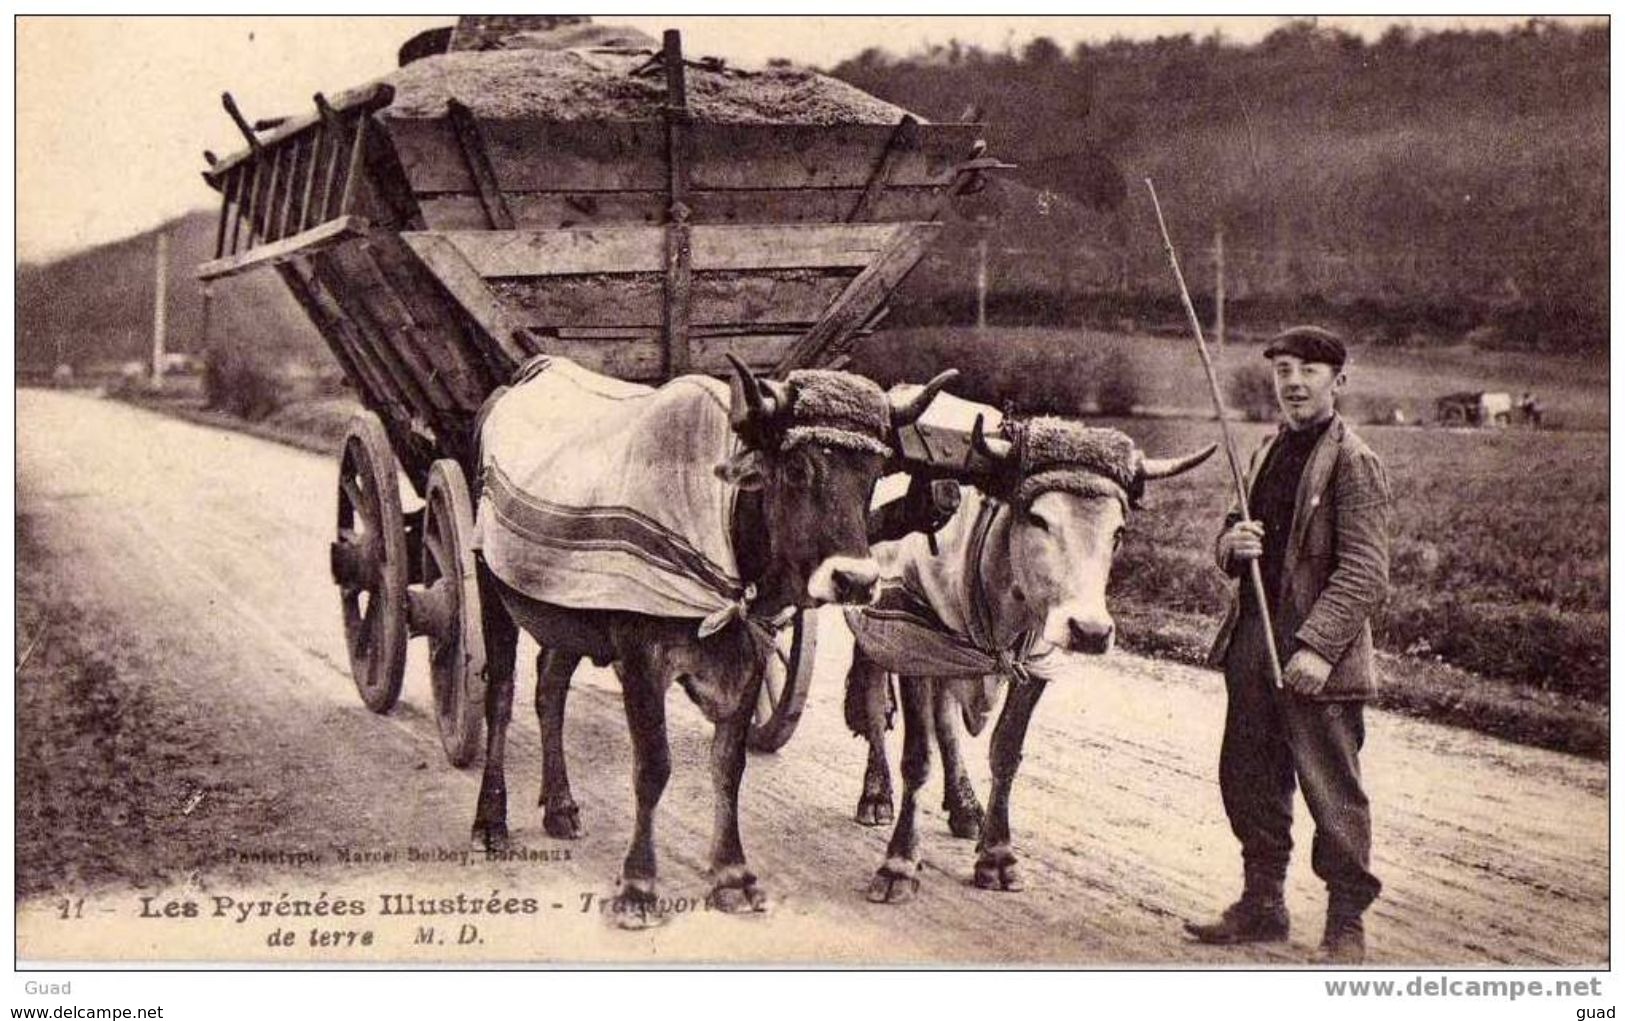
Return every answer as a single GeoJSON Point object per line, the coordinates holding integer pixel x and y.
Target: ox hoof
{"type": "Point", "coordinates": [490, 836]}
{"type": "Point", "coordinates": [895, 882]}
{"type": "Point", "coordinates": [636, 906]}
{"type": "Point", "coordinates": [562, 821]}
{"type": "Point", "coordinates": [874, 810]}
{"type": "Point", "coordinates": [736, 892]}
{"type": "Point", "coordinates": [998, 872]}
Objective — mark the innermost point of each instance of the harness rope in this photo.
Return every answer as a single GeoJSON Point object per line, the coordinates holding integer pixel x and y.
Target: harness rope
{"type": "Point", "coordinates": [1012, 661]}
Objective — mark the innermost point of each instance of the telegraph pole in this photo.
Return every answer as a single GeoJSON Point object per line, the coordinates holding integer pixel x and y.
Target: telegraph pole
{"type": "Point", "coordinates": [160, 317]}
{"type": "Point", "coordinates": [1218, 285]}
{"type": "Point", "coordinates": [981, 280]}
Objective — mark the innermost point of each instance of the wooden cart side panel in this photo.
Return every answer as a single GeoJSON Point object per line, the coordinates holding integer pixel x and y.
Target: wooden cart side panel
{"type": "Point", "coordinates": [831, 337]}
{"type": "Point", "coordinates": [497, 328]}
{"type": "Point", "coordinates": [386, 193]}
{"type": "Point", "coordinates": [373, 301]}
{"type": "Point", "coordinates": [642, 359]}
{"type": "Point", "coordinates": [435, 318]}
{"type": "Point", "coordinates": [371, 377]}
{"type": "Point", "coordinates": [787, 298]}
{"type": "Point", "coordinates": [541, 210]}
{"type": "Point", "coordinates": [335, 290]}
{"type": "Point", "coordinates": [748, 247]}
{"type": "Point", "coordinates": [362, 374]}
{"type": "Point", "coordinates": [905, 138]}
{"type": "Point", "coordinates": [532, 155]}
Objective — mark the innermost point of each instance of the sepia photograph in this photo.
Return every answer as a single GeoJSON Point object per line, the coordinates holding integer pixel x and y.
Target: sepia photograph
{"type": "Point", "coordinates": [549, 491]}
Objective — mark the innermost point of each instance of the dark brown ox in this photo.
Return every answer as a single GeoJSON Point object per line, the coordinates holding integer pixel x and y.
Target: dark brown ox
{"type": "Point", "coordinates": [1016, 578]}
{"type": "Point", "coordinates": [798, 531]}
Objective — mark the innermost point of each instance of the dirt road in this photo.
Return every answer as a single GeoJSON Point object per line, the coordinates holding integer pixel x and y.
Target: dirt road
{"type": "Point", "coordinates": [209, 549]}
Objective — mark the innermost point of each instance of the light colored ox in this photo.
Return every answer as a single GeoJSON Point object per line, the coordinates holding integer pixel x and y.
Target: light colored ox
{"type": "Point", "coordinates": [1015, 579]}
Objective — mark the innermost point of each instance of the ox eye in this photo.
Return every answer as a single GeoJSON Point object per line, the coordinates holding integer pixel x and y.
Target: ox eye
{"type": "Point", "coordinates": [1037, 521]}
{"type": "Point", "coordinates": [799, 472]}
{"type": "Point", "coordinates": [1117, 539]}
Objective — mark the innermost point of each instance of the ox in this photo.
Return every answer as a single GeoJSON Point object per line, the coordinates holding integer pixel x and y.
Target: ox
{"type": "Point", "coordinates": [801, 482]}
{"type": "Point", "coordinates": [1016, 577]}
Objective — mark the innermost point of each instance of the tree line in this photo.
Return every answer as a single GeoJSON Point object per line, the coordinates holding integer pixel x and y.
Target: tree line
{"type": "Point", "coordinates": [1428, 182]}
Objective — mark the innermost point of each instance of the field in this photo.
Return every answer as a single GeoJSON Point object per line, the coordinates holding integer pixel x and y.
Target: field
{"type": "Point", "coordinates": [1500, 556]}
{"type": "Point", "coordinates": [1063, 371]}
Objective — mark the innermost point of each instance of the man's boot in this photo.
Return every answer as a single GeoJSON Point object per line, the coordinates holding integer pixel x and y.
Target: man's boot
{"type": "Point", "coordinates": [1258, 917]}
{"type": "Point", "coordinates": [1344, 941]}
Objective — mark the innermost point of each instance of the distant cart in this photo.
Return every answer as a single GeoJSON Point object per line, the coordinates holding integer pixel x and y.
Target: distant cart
{"type": "Point", "coordinates": [1475, 408]}
{"type": "Point", "coordinates": [436, 252]}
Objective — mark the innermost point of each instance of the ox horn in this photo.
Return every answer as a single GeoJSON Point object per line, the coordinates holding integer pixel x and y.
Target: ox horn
{"type": "Point", "coordinates": [997, 454]}
{"type": "Point", "coordinates": [1165, 467]}
{"type": "Point", "coordinates": [910, 410]}
{"type": "Point", "coordinates": [764, 399]}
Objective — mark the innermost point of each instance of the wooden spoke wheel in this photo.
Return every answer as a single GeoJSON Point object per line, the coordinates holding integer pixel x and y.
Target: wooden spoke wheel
{"type": "Point", "coordinates": [785, 684]}
{"type": "Point", "coordinates": [447, 610]}
{"type": "Point", "coordinates": [369, 563]}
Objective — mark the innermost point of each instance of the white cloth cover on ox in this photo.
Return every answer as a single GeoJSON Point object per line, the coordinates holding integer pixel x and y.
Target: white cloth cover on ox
{"type": "Point", "coordinates": [601, 494]}
{"type": "Point", "coordinates": [931, 617]}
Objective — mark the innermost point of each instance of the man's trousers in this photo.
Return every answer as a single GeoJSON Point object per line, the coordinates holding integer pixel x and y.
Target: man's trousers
{"type": "Point", "coordinates": [1275, 740]}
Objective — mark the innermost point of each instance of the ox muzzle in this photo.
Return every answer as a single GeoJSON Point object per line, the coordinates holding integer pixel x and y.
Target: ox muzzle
{"type": "Point", "coordinates": [853, 581]}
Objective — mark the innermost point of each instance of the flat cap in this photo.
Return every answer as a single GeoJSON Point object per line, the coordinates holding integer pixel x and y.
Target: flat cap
{"type": "Point", "coordinates": [1311, 343]}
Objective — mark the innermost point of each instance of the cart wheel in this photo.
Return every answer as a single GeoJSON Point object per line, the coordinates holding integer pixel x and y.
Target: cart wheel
{"type": "Point", "coordinates": [447, 610]}
{"type": "Point", "coordinates": [785, 685]}
{"type": "Point", "coordinates": [368, 562]}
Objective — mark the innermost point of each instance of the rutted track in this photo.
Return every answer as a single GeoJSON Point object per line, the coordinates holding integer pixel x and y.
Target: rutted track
{"type": "Point", "coordinates": [211, 547]}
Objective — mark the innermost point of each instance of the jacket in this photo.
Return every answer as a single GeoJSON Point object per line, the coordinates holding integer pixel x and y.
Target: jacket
{"type": "Point", "coordinates": [1334, 578]}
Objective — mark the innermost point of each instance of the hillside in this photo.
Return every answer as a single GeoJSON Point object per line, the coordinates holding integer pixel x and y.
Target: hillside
{"type": "Point", "coordinates": [1434, 183]}
{"type": "Point", "coordinates": [95, 308]}
{"type": "Point", "coordinates": [1425, 188]}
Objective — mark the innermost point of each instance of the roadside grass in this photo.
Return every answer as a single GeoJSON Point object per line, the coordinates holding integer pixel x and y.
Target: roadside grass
{"type": "Point", "coordinates": [316, 424]}
{"type": "Point", "coordinates": [109, 768]}
{"type": "Point", "coordinates": [1415, 686]}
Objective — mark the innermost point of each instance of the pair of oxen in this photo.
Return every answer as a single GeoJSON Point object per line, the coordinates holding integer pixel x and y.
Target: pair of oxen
{"type": "Point", "coordinates": [1049, 507]}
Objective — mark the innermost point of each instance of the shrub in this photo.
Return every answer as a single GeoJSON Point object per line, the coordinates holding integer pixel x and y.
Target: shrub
{"type": "Point", "coordinates": [1250, 390]}
{"type": "Point", "coordinates": [1372, 410]}
{"type": "Point", "coordinates": [243, 385]}
{"type": "Point", "coordinates": [1118, 385]}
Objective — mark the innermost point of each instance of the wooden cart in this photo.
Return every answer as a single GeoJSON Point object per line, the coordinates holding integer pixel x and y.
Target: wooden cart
{"type": "Point", "coordinates": [436, 254]}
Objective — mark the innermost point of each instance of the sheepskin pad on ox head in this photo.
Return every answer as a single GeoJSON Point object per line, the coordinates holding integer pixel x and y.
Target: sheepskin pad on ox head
{"type": "Point", "coordinates": [1058, 454]}
{"type": "Point", "coordinates": [838, 409]}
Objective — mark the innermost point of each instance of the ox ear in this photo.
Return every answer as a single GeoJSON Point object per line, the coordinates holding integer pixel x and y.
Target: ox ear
{"type": "Point", "coordinates": [746, 469]}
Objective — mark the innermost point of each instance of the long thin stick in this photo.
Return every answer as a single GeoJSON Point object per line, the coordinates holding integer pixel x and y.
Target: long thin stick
{"type": "Point", "coordinates": [1229, 448]}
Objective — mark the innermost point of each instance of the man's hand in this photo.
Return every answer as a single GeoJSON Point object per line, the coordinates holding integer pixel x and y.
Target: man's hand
{"type": "Point", "coordinates": [1306, 673]}
{"type": "Point", "coordinates": [1244, 541]}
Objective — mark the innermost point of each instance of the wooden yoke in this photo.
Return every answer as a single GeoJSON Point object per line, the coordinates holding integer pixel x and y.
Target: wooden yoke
{"type": "Point", "coordinates": [679, 253]}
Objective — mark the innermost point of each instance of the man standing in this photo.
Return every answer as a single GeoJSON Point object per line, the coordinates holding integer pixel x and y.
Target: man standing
{"type": "Point", "coordinates": [1318, 502]}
